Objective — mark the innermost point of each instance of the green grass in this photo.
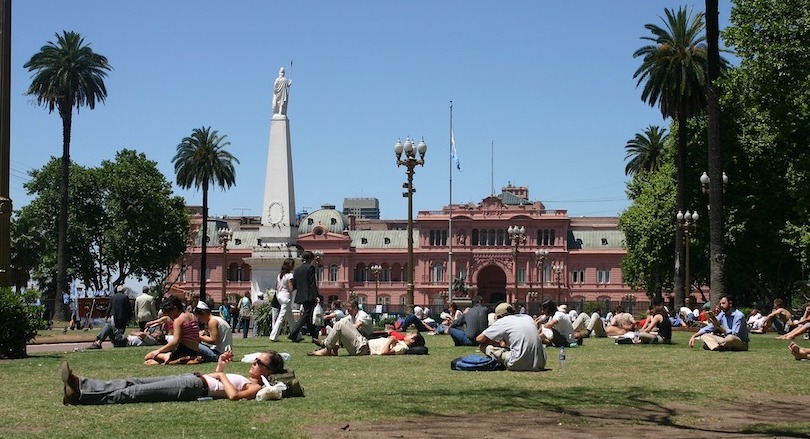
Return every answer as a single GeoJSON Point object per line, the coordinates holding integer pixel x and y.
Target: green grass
{"type": "Point", "coordinates": [351, 389]}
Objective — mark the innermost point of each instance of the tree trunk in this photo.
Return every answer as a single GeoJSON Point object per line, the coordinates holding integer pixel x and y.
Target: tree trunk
{"type": "Point", "coordinates": [203, 252]}
{"type": "Point", "coordinates": [66, 112]}
{"type": "Point", "coordinates": [717, 232]}
{"type": "Point", "coordinates": [680, 205]}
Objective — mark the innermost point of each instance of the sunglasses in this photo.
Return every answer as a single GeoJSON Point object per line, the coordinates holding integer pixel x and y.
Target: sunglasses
{"type": "Point", "coordinates": [259, 362]}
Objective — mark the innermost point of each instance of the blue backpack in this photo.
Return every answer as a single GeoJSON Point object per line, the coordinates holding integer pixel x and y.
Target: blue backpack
{"type": "Point", "coordinates": [475, 362]}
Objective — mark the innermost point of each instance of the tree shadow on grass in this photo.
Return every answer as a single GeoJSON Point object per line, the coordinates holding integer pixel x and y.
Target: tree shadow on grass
{"type": "Point", "coordinates": [614, 406]}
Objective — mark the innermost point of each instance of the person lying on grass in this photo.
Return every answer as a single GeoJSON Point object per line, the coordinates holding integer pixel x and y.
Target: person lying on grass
{"type": "Point", "coordinates": [186, 387]}
{"type": "Point", "coordinates": [799, 353]}
{"type": "Point", "coordinates": [346, 334]}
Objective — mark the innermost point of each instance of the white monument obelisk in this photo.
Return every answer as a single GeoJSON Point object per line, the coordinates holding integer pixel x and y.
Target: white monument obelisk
{"type": "Point", "coordinates": [279, 229]}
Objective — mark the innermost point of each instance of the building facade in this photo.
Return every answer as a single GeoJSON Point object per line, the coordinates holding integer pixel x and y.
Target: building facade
{"type": "Point", "coordinates": [459, 251]}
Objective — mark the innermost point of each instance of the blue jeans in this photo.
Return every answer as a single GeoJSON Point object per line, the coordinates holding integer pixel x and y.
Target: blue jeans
{"type": "Point", "coordinates": [460, 337]}
{"type": "Point", "coordinates": [245, 327]}
{"type": "Point", "coordinates": [209, 354]}
{"type": "Point", "coordinates": [187, 387]}
{"type": "Point", "coordinates": [115, 335]}
{"type": "Point", "coordinates": [416, 322]}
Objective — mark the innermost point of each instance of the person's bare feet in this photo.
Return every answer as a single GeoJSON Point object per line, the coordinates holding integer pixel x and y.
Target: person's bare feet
{"type": "Point", "coordinates": [795, 350]}
{"type": "Point", "coordinates": [321, 353]}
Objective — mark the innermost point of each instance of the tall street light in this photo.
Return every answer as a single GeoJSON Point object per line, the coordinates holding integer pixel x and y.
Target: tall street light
{"type": "Point", "coordinates": [225, 234]}
{"type": "Point", "coordinates": [686, 221]}
{"type": "Point", "coordinates": [376, 269]}
{"type": "Point", "coordinates": [410, 162]}
{"type": "Point", "coordinates": [542, 254]}
{"type": "Point", "coordinates": [517, 236]}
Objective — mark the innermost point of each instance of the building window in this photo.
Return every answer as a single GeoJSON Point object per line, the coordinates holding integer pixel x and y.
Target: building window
{"type": "Point", "coordinates": [603, 276]}
{"type": "Point", "coordinates": [547, 274]}
{"type": "Point", "coordinates": [182, 276]}
{"type": "Point", "coordinates": [385, 274]}
{"type": "Point", "coordinates": [437, 273]}
{"type": "Point", "coordinates": [501, 237]}
{"type": "Point", "coordinates": [245, 275]}
{"type": "Point", "coordinates": [360, 273]}
{"type": "Point", "coordinates": [474, 238]}
{"type": "Point", "coordinates": [492, 237]}
{"type": "Point", "coordinates": [333, 221]}
{"type": "Point", "coordinates": [363, 241]}
{"type": "Point", "coordinates": [234, 272]}
{"type": "Point", "coordinates": [237, 241]}
{"type": "Point", "coordinates": [604, 241]}
{"type": "Point", "coordinates": [207, 274]}
{"type": "Point", "coordinates": [386, 241]}
{"type": "Point", "coordinates": [521, 275]}
{"type": "Point", "coordinates": [404, 301]}
{"type": "Point", "coordinates": [310, 221]}
{"type": "Point", "coordinates": [578, 276]}
{"type": "Point", "coordinates": [333, 273]}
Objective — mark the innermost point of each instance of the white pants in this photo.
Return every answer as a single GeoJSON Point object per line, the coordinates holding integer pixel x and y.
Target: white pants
{"type": "Point", "coordinates": [284, 315]}
{"type": "Point", "coordinates": [593, 324]}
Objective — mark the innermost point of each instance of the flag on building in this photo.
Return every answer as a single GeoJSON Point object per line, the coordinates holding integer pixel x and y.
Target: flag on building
{"type": "Point", "coordinates": [453, 152]}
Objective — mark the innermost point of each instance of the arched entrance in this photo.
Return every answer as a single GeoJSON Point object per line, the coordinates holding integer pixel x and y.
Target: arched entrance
{"type": "Point", "coordinates": [492, 284]}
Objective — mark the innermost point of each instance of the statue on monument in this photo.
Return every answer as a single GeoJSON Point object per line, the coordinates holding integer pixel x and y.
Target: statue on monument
{"type": "Point", "coordinates": [280, 93]}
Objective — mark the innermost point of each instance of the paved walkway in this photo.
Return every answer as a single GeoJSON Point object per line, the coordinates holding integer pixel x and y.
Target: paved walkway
{"type": "Point", "coordinates": [61, 347]}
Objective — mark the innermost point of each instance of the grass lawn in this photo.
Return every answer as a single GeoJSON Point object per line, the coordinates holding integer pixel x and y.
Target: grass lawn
{"type": "Point", "coordinates": [343, 390]}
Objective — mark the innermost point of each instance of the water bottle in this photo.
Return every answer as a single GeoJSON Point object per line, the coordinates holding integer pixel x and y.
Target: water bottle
{"type": "Point", "coordinates": [562, 357]}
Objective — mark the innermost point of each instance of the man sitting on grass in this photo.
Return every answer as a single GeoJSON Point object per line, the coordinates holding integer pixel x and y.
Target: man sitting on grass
{"type": "Point", "coordinates": [345, 334]}
{"type": "Point", "coordinates": [513, 340]}
{"type": "Point", "coordinates": [777, 319]}
{"type": "Point", "coordinates": [727, 331]}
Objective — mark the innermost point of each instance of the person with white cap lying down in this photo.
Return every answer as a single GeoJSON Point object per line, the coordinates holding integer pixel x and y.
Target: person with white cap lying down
{"type": "Point", "coordinates": [185, 387]}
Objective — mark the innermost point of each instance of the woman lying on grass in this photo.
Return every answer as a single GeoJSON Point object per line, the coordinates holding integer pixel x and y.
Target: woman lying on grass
{"type": "Point", "coordinates": [186, 387]}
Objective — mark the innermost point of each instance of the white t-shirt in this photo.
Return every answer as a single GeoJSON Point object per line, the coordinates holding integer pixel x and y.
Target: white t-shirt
{"type": "Point", "coordinates": [375, 346]}
{"type": "Point", "coordinates": [564, 325]}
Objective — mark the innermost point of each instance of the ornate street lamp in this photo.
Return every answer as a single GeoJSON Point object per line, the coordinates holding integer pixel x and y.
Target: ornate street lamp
{"type": "Point", "coordinates": [376, 269]}
{"type": "Point", "coordinates": [225, 234]}
{"type": "Point", "coordinates": [542, 254]}
{"type": "Point", "coordinates": [410, 162]}
{"type": "Point", "coordinates": [517, 236]}
{"type": "Point", "coordinates": [686, 221]}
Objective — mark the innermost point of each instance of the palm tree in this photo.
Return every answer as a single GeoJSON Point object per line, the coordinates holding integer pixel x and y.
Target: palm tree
{"type": "Point", "coordinates": [646, 151]}
{"type": "Point", "coordinates": [67, 74]}
{"type": "Point", "coordinates": [717, 233]}
{"type": "Point", "coordinates": [673, 71]}
{"type": "Point", "coordinates": [201, 161]}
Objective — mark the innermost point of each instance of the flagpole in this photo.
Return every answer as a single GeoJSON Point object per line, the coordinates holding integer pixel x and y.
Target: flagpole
{"type": "Point", "coordinates": [492, 168]}
{"type": "Point", "coordinates": [450, 216]}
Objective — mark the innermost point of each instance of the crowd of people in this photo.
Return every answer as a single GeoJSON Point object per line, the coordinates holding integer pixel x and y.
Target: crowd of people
{"type": "Point", "coordinates": [518, 341]}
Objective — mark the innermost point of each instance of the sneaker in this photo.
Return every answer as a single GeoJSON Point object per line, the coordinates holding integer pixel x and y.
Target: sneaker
{"type": "Point", "coordinates": [94, 345]}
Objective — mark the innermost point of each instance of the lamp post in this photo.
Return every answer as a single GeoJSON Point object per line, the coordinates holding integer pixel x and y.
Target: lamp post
{"type": "Point", "coordinates": [558, 269]}
{"type": "Point", "coordinates": [686, 221]}
{"type": "Point", "coordinates": [376, 269]}
{"type": "Point", "coordinates": [410, 162]}
{"type": "Point", "coordinates": [517, 236]}
{"type": "Point", "coordinates": [541, 265]}
{"type": "Point", "coordinates": [225, 234]}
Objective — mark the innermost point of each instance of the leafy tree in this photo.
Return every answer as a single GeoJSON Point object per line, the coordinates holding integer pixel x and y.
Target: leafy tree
{"type": "Point", "coordinates": [646, 151]}
{"type": "Point", "coordinates": [673, 71]}
{"type": "Point", "coordinates": [150, 228]}
{"type": "Point", "coordinates": [124, 222]}
{"type": "Point", "coordinates": [67, 73]}
{"type": "Point", "coordinates": [649, 226]}
{"type": "Point", "coordinates": [201, 161]}
{"type": "Point", "coordinates": [768, 98]}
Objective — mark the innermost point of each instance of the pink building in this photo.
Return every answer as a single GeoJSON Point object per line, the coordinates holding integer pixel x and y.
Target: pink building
{"type": "Point", "coordinates": [566, 259]}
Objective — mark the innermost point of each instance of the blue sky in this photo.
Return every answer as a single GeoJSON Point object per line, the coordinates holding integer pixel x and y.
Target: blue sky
{"type": "Point", "coordinates": [550, 84]}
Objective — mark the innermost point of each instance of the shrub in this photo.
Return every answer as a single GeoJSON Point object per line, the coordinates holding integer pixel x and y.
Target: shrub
{"type": "Point", "coordinates": [19, 323]}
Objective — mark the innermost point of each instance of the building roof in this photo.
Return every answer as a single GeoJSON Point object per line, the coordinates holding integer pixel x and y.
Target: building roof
{"type": "Point", "coordinates": [595, 239]}
{"type": "Point", "coordinates": [382, 239]}
{"type": "Point", "coordinates": [329, 217]}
